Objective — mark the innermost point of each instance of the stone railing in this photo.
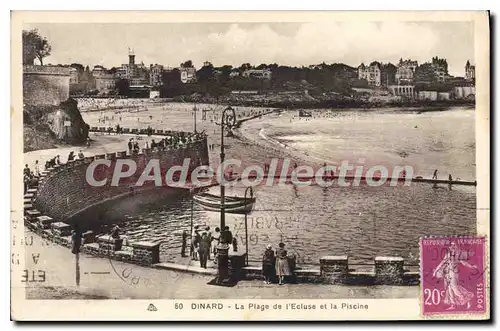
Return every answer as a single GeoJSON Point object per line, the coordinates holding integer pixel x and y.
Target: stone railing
{"type": "Point", "coordinates": [141, 253]}
{"type": "Point", "coordinates": [336, 270]}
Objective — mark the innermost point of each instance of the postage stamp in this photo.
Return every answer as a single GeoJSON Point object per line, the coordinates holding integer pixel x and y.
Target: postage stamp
{"type": "Point", "coordinates": [453, 273]}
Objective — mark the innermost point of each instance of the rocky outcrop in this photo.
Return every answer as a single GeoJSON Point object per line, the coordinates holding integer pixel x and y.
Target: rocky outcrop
{"type": "Point", "coordinates": [67, 123]}
{"type": "Point", "coordinates": [46, 126]}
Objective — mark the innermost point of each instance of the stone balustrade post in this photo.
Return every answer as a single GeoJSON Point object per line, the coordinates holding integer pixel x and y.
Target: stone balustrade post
{"type": "Point", "coordinates": [334, 269]}
{"type": "Point", "coordinates": [146, 253]}
{"type": "Point", "coordinates": [389, 269]}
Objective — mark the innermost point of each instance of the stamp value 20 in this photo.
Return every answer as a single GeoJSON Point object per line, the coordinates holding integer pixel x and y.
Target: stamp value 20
{"type": "Point", "coordinates": [452, 275]}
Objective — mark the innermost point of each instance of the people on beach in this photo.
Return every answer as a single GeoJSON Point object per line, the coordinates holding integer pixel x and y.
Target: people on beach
{"type": "Point", "coordinates": [80, 155]}
{"type": "Point", "coordinates": [71, 156]}
{"type": "Point", "coordinates": [282, 266]}
{"type": "Point", "coordinates": [268, 262]}
{"type": "Point", "coordinates": [435, 175]}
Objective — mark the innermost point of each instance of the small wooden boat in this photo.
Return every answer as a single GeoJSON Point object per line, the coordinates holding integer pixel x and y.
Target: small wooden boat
{"type": "Point", "coordinates": [232, 205]}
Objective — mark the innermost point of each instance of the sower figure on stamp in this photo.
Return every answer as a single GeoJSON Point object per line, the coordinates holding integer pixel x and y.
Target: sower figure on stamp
{"type": "Point", "coordinates": [448, 270]}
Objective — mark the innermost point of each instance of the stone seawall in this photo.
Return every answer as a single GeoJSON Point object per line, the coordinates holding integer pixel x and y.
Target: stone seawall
{"type": "Point", "coordinates": [64, 192]}
{"type": "Point", "coordinates": [45, 85]}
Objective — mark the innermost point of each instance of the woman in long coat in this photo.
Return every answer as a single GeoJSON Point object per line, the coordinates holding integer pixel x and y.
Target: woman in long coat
{"type": "Point", "coordinates": [268, 264]}
{"type": "Point", "coordinates": [282, 267]}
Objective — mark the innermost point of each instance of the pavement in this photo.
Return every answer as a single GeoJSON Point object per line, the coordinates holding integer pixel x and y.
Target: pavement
{"type": "Point", "coordinates": [101, 278]}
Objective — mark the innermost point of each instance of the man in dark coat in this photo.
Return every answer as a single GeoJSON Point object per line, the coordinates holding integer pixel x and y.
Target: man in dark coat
{"type": "Point", "coordinates": [204, 249]}
{"type": "Point", "coordinates": [76, 241]}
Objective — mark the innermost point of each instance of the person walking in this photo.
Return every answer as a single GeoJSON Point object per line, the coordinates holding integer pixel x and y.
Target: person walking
{"type": "Point", "coordinates": [435, 175]}
{"type": "Point", "coordinates": [268, 261]}
{"type": "Point", "coordinates": [204, 249]}
{"type": "Point", "coordinates": [282, 267]}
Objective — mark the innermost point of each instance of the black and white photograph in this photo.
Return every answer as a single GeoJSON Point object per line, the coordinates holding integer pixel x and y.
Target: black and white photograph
{"type": "Point", "coordinates": [314, 165]}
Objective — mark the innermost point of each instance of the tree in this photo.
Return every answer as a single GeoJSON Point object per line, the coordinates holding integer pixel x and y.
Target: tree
{"type": "Point", "coordinates": [34, 47]}
{"type": "Point", "coordinates": [78, 67]}
{"type": "Point", "coordinates": [245, 66]}
{"type": "Point", "coordinates": [206, 73]}
{"type": "Point", "coordinates": [187, 64]}
{"type": "Point", "coordinates": [122, 86]}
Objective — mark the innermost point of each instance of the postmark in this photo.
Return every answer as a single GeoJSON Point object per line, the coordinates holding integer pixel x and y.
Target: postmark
{"type": "Point", "coordinates": [453, 275]}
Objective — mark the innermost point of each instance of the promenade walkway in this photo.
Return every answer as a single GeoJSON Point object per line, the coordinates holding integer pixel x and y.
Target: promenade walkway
{"type": "Point", "coordinates": [102, 278]}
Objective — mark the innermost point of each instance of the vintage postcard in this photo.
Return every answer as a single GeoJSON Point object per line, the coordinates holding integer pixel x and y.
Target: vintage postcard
{"type": "Point", "coordinates": [250, 166]}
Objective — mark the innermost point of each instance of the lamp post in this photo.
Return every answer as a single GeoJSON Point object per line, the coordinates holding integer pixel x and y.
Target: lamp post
{"type": "Point", "coordinates": [194, 112]}
{"type": "Point", "coordinates": [229, 119]}
{"type": "Point", "coordinates": [246, 221]}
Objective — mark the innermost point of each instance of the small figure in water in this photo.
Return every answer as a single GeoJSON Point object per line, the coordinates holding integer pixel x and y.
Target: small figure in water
{"type": "Point", "coordinates": [450, 179]}
{"type": "Point", "coordinates": [435, 175]}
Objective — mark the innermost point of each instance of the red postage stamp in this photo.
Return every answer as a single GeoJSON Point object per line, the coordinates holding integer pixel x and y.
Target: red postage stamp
{"type": "Point", "coordinates": [453, 275]}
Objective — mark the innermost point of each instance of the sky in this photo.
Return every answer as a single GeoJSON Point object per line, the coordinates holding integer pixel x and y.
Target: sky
{"type": "Point", "coordinates": [284, 43]}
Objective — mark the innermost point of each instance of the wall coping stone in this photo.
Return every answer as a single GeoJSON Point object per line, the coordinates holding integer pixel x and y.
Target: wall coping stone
{"type": "Point", "coordinates": [334, 258]}
{"type": "Point", "coordinates": [144, 244]}
{"type": "Point", "coordinates": [388, 259]}
{"type": "Point", "coordinates": [60, 225]}
{"type": "Point", "coordinates": [108, 239]}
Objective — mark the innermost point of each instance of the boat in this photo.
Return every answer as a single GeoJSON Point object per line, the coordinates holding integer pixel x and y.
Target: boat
{"type": "Point", "coordinates": [232, 205]}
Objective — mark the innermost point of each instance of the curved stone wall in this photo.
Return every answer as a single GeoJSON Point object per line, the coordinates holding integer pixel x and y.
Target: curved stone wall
{"type": "Point", "coordinates": [45, 85]}
{"type": "Point", "coordinates": [64, 193]}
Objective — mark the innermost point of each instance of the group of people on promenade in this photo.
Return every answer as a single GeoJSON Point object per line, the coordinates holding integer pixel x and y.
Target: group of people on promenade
{"type": "Point", "coordinates": [276, 264]}
{"type": "Point", "coordinates": [204, 243]}
{"type": "Point", "coordinates": [31, 176]}
{"type": "Point", "coordinates": [175, 140]}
